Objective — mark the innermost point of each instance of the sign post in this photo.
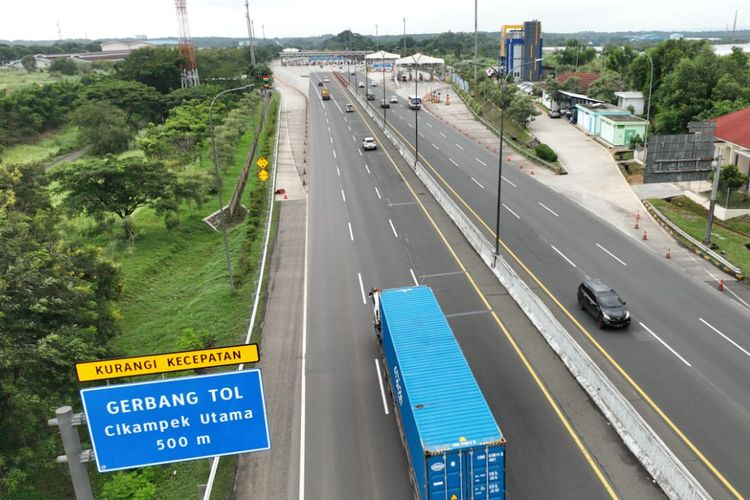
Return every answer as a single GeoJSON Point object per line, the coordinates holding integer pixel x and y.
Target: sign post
{"type": "Point", "coordinates": [173, 420]}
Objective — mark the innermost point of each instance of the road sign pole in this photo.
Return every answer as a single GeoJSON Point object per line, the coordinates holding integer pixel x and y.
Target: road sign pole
{"type": "Point", "coordinates": [72, 445]}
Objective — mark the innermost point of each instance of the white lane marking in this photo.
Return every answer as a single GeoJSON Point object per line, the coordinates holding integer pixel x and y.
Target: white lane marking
{"type": "Point", "coordinates": [612, 255]}
{"type": "Point", "coordinates": [477, 182]}
{"type": "Point", "coordinates": [436, 147]}
{"type": "Point", "coordinates": [725, 337]}
{"type": "Point", "coordinates": [443, 135]}
{"type": "Point", "coordinates": [382, 390]}
{"type": "Point", "coordinates": [421, 135]}
{"type": "Point", "coordinates": [362, 288]}
{"type": "Point", "coordinates": [338, 171]}
{"type": "Point", "coordinates": [480, 161]}
{"type": "Point", "coordinates": [429, 124]}
{"type": "Point", "coordinates": [511, 183]}
{"type": "Point", "coordinates": [563, 255]}
{"type": "Point", "coordinates": [340, 110]}
{"type": "Point", "coordinates": [354, 138]}
{"type": "Point", "coordinates": [459, 147]}
{"type": "Point", "coordinates": [343, 196]}
{"type": "Point", "coordinates": [414, 277]}
{"type": "Point", "coordinates": [400, 117]}
{"type": "Point", "coordinates": [350, 128]}
{"type": "Point", "coordinates": [334, 153]}
{"type": "Point", "coordinates": [410, 125]}
{"type": "Point", "coordinates": [331, 140]}
{"type": "Point", "coordinates": [511, 211]}
{"type": "Point", "coordinates": [360, 152]}
{"type": "Point", "coordinates": [453, 161]}
{"type": "Point", "coordinates": [664, 344]}
{"type": "Point", "coordinates": [329, 128]}
{"type": "Point", "coordinates": [726, 288]}
{"type": "Point", "coordinates": [393, 228]}
{"type": "Point", "coordinates": [368, 169]}
{"type": "Point", "coordinates": [351, 234]}
{"type": "Point", "coordinates": [547, 209]}
{"type": "Point", "coordinates": [378, 193]}
{"type": "Point", "coordinates": [303, 391]}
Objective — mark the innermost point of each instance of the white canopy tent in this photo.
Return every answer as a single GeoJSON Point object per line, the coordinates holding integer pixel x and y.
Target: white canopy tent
{"type": "Point", "coordinates": [425, 63]}
{"type": "Point", "coordinates": [380, 59]}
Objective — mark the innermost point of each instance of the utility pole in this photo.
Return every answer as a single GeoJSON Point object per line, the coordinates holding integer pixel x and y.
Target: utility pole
{"type": "Point", "coordinates": [250, 37]}
{"type": "Point", "coordinates": [404, 37]}
{"type": "Point", "coordinates": [712, 205]}
{"type": "Point", "coordinates": [476, 51]}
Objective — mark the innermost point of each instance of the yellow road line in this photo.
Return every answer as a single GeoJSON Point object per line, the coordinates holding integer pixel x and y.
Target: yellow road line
{"type": "Point", "coordinates": [598, 346]}
{"type": "Point", "coordinates": [566, 423]}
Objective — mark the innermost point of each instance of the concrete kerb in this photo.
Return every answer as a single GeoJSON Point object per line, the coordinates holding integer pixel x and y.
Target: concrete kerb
{"type": "Point", "coordinates": [656, 457]}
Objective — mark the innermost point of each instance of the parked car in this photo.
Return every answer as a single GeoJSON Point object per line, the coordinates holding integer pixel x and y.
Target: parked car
{"type": "Point", "coordinates": [349, 107]}
{"type": "Point", "coordinates": [320, 84]}
{"type": "Point", "coordinates": [394, 99]}
{"type": "Point", "coordinates": [370, 96]}
{"type": "Point", "coordinates": [361, 85]}
{"type": "Point", "coordinates": [554, 113]}
{"type": "Point", "coordinates": [369, 143]}
{"type": "Point", "coordinates": [603, 303]}
{"type": "Point", "coordinates": [384, 103]}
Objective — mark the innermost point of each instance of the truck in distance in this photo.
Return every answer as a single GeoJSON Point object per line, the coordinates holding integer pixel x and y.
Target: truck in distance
{"type": "Point", "coordinates": [325, 94]}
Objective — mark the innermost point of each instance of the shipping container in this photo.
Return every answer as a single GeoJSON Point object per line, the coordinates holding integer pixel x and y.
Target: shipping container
{"type": "Point", "coordinates": [453, 443]}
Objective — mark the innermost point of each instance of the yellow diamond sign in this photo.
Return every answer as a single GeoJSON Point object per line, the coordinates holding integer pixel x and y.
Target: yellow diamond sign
{"type": "Point", "coordinates": [262, 162]}
{"type": "Point", "coordinates": [263, 175]}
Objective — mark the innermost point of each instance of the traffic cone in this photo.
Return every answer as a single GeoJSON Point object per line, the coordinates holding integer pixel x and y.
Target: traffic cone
{"type": "Point", "coordinates": [532, 171]}
{"type": "Point", "coordinates": [645, 235]}
{"type": "Point", "coordinates": [721, 285]}
{"type": "Point", "coordinates": [669, 254]}
{"type": "Point", "coordinates": [636, 225]}
{"type": "Point", "coordinates": [637, 215]}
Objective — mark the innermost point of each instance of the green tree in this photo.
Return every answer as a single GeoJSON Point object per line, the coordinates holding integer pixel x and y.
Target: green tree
{"type": "Point", "coordinates": [64, 66]}
{"type": "Point", "coordinates": [139, 102]}
{"type": "Point", "coordinates": [576, 54]}
{"type": "Point", "coordinates": [29, 63]}
{"type": "Point", "coordinates": [156, 67]}
{"type": "Point", "coordinates": [730, 178]}
{"type": "Point", "coordinates": [104, 126]}
{"type": "Point", "coordinates": [604, 87]}
{"type": "Point", "coordinates": [522, 109]}
{"type": "Point", "coordinates": [618, 59]}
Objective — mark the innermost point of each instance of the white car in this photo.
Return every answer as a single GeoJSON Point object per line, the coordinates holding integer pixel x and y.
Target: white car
{"type": "Point", "coordinates": [369, 143]}
{"type": "Point", "coordinates": [373, 84]}
{"type": "Point", "coordinates": [394, 99]}
{"type": "Point", "coordinates": [326, 80]}
{"type": "Point", "coordinates": [361, 85]}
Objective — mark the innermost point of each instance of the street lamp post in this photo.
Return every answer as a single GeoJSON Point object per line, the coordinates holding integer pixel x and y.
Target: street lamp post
{"type": "Point", "coordinates": [648, 105]}
{"type": "Point", "coordinates": [500, 156]}
{"type": "Point", "coordinates": [218, 178]}
{"type": "Point", "coordinates": [382, 67]}
{"type": "Point", "coordinates": [416, 110]}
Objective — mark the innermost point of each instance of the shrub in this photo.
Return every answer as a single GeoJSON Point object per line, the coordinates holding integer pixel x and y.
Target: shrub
{"type": "Point", "coordinates": [545, 153]}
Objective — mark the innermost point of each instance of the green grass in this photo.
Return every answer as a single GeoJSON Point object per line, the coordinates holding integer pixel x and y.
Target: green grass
{"type": "Point", "coordinates": [730, 237]}
{"type": "Point", "coordinates": [11, 79]}
{"type": "Point", "coordinates": [45, 148]}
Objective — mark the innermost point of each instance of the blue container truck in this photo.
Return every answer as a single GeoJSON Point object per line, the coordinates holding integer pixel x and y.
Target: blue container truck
{"type": "Point", "coordinates": [454, 446]}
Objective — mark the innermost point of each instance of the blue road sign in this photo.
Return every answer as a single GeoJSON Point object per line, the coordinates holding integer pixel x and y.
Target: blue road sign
{"type": "Point", "coordinates": [164, 421]}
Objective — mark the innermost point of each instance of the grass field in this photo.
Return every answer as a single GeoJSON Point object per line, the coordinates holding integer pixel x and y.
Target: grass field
{"type": "Point", "coordinates": [731, 237]}
{"type": "Point", "coordinates": [11, 79]}
{"type": "Point", "coordinates": [46, 147]}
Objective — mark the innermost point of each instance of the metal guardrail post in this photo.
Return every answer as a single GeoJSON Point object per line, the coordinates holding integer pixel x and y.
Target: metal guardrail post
{"type": "Point", "coordinates": [75, 458]}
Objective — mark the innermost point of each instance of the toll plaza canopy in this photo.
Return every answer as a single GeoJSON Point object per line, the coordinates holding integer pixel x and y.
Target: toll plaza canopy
{"type": "Point", "coordinates": [381, 59]}
{"type": "Point", "coordinates": [425, 63]}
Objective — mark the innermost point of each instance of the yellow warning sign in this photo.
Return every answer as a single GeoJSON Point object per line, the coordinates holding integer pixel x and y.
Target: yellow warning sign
{"type": "Point", "coordinates": [263, 175]}
{"type": "Point", "coordinates": [262, 162]}
{"type": "Point", "coordinates": [169, 362]}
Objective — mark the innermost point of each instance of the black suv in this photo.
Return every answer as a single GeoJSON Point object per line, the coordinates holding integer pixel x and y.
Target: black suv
{"type": "Point", "coordinates": [603, 303]}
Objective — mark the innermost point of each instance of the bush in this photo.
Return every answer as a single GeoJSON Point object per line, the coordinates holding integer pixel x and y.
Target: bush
{"type": "Point", "coordinates": [545, 153]}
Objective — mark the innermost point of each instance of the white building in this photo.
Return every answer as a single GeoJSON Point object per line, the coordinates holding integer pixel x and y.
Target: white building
{"type": "Point", "coordinates": [630, 98]}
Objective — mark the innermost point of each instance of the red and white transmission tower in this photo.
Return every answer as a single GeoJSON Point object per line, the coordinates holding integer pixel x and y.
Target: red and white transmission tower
{"type": "Point", "coordinates": [189, 76]}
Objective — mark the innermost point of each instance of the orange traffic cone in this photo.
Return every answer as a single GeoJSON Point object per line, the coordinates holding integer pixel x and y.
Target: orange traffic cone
{"type": "Point", "coordinates": [721, 285]}
{"type": "Point", "coordinates": [645, 235]}
{"type": "Point", "coordinates": [532, 171]}
{"type": "Point", "coordinates": [669, 253]}
{"type": "Point", "coordinates": [636, 225]}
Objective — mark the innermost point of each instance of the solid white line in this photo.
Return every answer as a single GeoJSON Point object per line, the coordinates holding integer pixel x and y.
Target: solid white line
{"type": "Point", "coordinates": [382, 390]}
{"type": "Point", "coordinates": [428, 124]}
{"type": "Point", "coordinates": [378, 193]}
{"type": "Point", "coordinates": [548, 209]}
{"type": "Point", "coordinates": [477, 182]}
{"type": "Point", "coordinates": [367, 168]}
{"type": "Point", "coordinates": [480, 161]}
{"type": "Point", "coordinates": [343, 196]}
{"type": "Point", "coordinates": [725, 337]}
{"type": "Point", "coordinates": [664, 344]}
{"type": "Point", "coordinates": [303, 391]}
{"type": "Point", "coordinates": [351, 234]}
{"type": "Point", "coordinates": [459, 147]}
{"type": "Point", "coordinates": [414, 277]}
{"type": "Point", "coordinates": [443, 135]}
{"type": "Point", "coordinates": [393, 228]}
{"type": "Point", "coordinates": [362, 288]}
{"type": "Point", "coordinates": [511, 183]}
{"type": "Point", "coordinates": [436, 147]}
{"type": "Point", "coordinates": [563, 255]}
{"type": "Point", "coordinates": [612, 255]}
{"type": "Point", "coordinates": [511, 211]}
{"type": "Point", "coordinates": [453, 161]}
{"type": "Point", "coordinates": [727, 289]}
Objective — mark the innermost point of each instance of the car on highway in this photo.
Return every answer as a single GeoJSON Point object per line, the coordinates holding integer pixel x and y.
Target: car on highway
{"type": "Point", "coordinates": [352, 72]}
{"type": "Point", "coordinates": [368, 143]}
{"type": "Point", "coordinates": [373, 84]}
{"type": "Point", "coordinates": [361, 85]}
{"type": "Point", "coordinates": [320, 84]}
{"type": "Point", "coordinates": [326, 80]}
{"type": "Point", "coordinates": [554, 113]}
{"type": "Point", "coordinates": [394, 99]}
{"type": "Point", "coordinates": [384, 103]}
{"type": "Point", "coordinates": [603, 303]}
{"type": "Point", "coordinates": [349, 108]}
{"type": "Point", "coordinates": [370, 96]}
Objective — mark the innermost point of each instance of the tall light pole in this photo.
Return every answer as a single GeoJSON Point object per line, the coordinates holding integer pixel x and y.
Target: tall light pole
{"type": "Point", "coordinates": [476, 44]}
{"type": "Point", "coordinates": [416, 110]}
{"type": "Point", "coordinates": [382, 67]}
{"type": "Point", "coordinates": [500, 156]}
{"type": "Point", "coordinates": [648, 104]}
{"type": "Point", "coordinates": [218, 178]}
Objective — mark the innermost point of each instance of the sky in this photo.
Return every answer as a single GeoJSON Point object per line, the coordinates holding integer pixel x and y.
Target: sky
{"type": "Point", "coordinates": [106, 19]}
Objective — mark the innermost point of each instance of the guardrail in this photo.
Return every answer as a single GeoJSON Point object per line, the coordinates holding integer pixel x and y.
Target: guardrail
{"type": "Point", "coordinates": [697, 247]}
{"type": "Point", "coordinates": [656, 457]}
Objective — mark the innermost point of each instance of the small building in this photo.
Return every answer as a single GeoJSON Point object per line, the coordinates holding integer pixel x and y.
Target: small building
{"type": "Point", "coordinates": [585, 79]}
{"type": "Point", "coordinates": [117, 45]}
{"type": "Point", "coordinates": [588, 116]}
{"type": "Point", "coordinates": [630, 98]}
{"type": "Point", "coordinates": [733, 139]}
{"type": "Point", "coordinates": [617, 130]}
